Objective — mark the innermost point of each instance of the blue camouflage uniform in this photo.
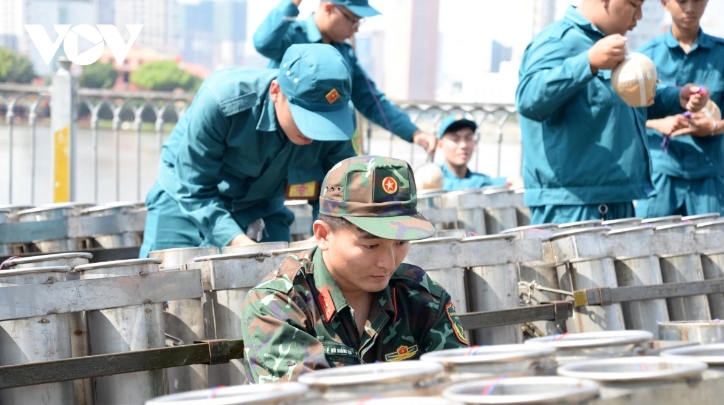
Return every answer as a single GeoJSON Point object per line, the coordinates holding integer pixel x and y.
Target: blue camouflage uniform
{"type": "Point", "coordinates": [227, 163]}
{"type": "Point", "coordinates": [688, 176]}
{"type": "Point", "coordinates": [280, 30]}
{"type": "Point", "coordinates": [584, 150]}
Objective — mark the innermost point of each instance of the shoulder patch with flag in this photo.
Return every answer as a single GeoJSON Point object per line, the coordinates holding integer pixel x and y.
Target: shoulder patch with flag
{"type": "Point", "coordinates": [457, 326]}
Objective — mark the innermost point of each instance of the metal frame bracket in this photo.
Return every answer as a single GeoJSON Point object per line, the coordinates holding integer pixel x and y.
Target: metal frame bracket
{"type": "Point", "coordinates": [219, 352]}
{"type": "Point", "coordinates": [607, 296]}
{"type": "Point", "coordinates": [562, 310]}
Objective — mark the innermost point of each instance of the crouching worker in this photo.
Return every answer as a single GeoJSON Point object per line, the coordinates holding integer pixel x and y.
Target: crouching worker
{"type": "Point", "coordinates": [250, 139]}
{"type": "Point", "coordinates": [351, 300]}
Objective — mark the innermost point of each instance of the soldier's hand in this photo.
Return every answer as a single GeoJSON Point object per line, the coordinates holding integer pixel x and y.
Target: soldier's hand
{"type": "Point", "coordinates": [607, 53]}
{"type": "Point", "coordinates": [427, 141]}
{"type": "Point", "coordinates": [703, 125]}
{"type": "Point", "coordinates": [241, 240]}
{"type": "Point", "coordinates": [674, 125]}
{"type": "Point", "coordinates": [296, 2]}
{"type": "Point", "coordinates": [693, 98]}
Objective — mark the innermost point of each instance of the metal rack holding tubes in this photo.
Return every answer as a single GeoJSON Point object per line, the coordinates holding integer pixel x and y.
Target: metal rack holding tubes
{"type": "Point", "coordinates": [204, 291]}
{"type": "Point", "coordinates": [529, 281]}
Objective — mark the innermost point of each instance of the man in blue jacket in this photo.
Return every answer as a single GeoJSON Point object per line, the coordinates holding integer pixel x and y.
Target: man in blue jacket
{"type": "Point", "coordinates": [250, 139]}
{"type": "Point", "coordinates": [585, 154]}
{"type": "Point", "coordinates": [457, 142]}
{"type": "Point", "coordinates": [333, 23]}
{"type": "Point", "coordinates": [688, 171]}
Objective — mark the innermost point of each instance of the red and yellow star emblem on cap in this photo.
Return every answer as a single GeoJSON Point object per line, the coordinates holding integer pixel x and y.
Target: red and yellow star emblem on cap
{"type": "Point", "coordinates": [389, 185]}
{"type": "Point", "coordinates": [332, 96]}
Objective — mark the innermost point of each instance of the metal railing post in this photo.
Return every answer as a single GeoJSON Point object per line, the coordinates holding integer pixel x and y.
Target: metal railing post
{"type": "Point", "coordinates": [64, 132]}
{"type": "Point", "coordinates": [10, 117]}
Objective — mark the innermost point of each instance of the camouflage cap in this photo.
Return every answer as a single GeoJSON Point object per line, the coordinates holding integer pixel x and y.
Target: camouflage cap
{"type": "Point", "coordinates": [377, 194]}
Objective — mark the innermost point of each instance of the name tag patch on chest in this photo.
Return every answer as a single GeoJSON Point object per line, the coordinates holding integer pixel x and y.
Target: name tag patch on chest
{"type": "Point", "coordinates": [338, 350]}
{"type": "Point", "coordinates": [402, 353]}
{"type": "Point", "coordinates": [304, 191]}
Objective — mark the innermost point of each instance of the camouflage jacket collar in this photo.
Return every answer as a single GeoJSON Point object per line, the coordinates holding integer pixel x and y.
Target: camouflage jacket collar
{"type": "Point", "coordinates": [332, 300]}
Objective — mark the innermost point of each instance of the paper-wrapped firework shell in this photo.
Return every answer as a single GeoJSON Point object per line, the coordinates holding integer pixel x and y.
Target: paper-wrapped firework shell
{"type": "Point", "coordinates": [634, 80]}
{"type": "Point", "coordinates": [712, 110]}
{"type": "Point", "coordinates": [429, 177]}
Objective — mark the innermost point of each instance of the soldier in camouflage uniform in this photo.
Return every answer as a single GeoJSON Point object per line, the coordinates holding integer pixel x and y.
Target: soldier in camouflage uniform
{"type": "Point", "coordinates": [351, 300]}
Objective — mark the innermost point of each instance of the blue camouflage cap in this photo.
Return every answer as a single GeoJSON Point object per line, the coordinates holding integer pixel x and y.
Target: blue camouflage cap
{"type": "Point", "coordinates": [455, 122]}
{"type": "Point", "coordinates": [317, 82]}
{"type": "Point", "coordinates": [360, 8]}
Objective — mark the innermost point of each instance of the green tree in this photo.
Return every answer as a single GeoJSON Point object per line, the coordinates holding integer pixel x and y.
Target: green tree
{"type": "Point", "coordinates": [98, 76]}
{"type": "Point", "coordinates": [164, 75]}
{"type": "Point", "coordinates": [15, 68]}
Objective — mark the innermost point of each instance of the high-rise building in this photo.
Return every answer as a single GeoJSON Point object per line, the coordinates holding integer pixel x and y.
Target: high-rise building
{"type": "Point", "coordinates": [158, 18]}
{"type": "Point", "coordinates": [46, 13]}
{"type": "Point", "coordinates": [11, 23]}
{"type": "Point", "coordinates": [196, 32]}
{"type": "Point", "coordinates": [544, 13]}
{"type": "Point", "coordinates": [499, 54]}
{"type": "Point", "coordinates": [229, 32]}
{"type": "Point", "coordinates": [105, 11]}
{"type": "Point", "coordinates": [411, 60]}
{"type": "Point", "coordinates": [213, 33]}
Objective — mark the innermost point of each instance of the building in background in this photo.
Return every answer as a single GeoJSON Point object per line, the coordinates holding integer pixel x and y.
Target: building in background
{"type": "Point", "coordinates": [487, 70]}
{"type": "Point", "coordinates": [230, 19]}
{"type": "Point", "coordinates": [196, 32]}
{"type": "Point", "coordinates": [411, 60]}
{"type": "Point", "coordinates": [11, 23]}
{"type": "Point", "coordinates": [499, 54]}
{"type": "Point", "coordinates": [213, 33]}
{"type": "Point", "coordinates": [544, 13]}
{"type": "Point", "coordinates": [158, 18]}
{"type": "Point", "coordinates": [105, 11]}
{"type": "Point", "coordinates": [46, 13]}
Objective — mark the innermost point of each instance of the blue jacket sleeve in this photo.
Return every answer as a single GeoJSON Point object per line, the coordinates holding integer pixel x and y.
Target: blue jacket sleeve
{"type": "Point", "coordinates": [550, 77]}
{"type": "Point", "coordinates": [272, 38]}
{"type": "Point", "coordinates": [198, 168]}
{"type": "Point", "coordinates": [666, 102]}
{"type": "Point", "coordinates": [374, 105]}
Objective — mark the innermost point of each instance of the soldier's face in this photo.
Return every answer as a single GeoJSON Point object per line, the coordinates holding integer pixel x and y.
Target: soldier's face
{"type": "Point", "coordinates": [620, 16]}
{"type": "Point", "coordinates": [358, 261]}
{"type": "Point", "coordinates": [458, 146]}
{"type": "Point", "coordinates": [337, 23]}
{"type": "Point", "coordinates": [686, 14]}
{"type": "Point", "coordinates": [284, 116]}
